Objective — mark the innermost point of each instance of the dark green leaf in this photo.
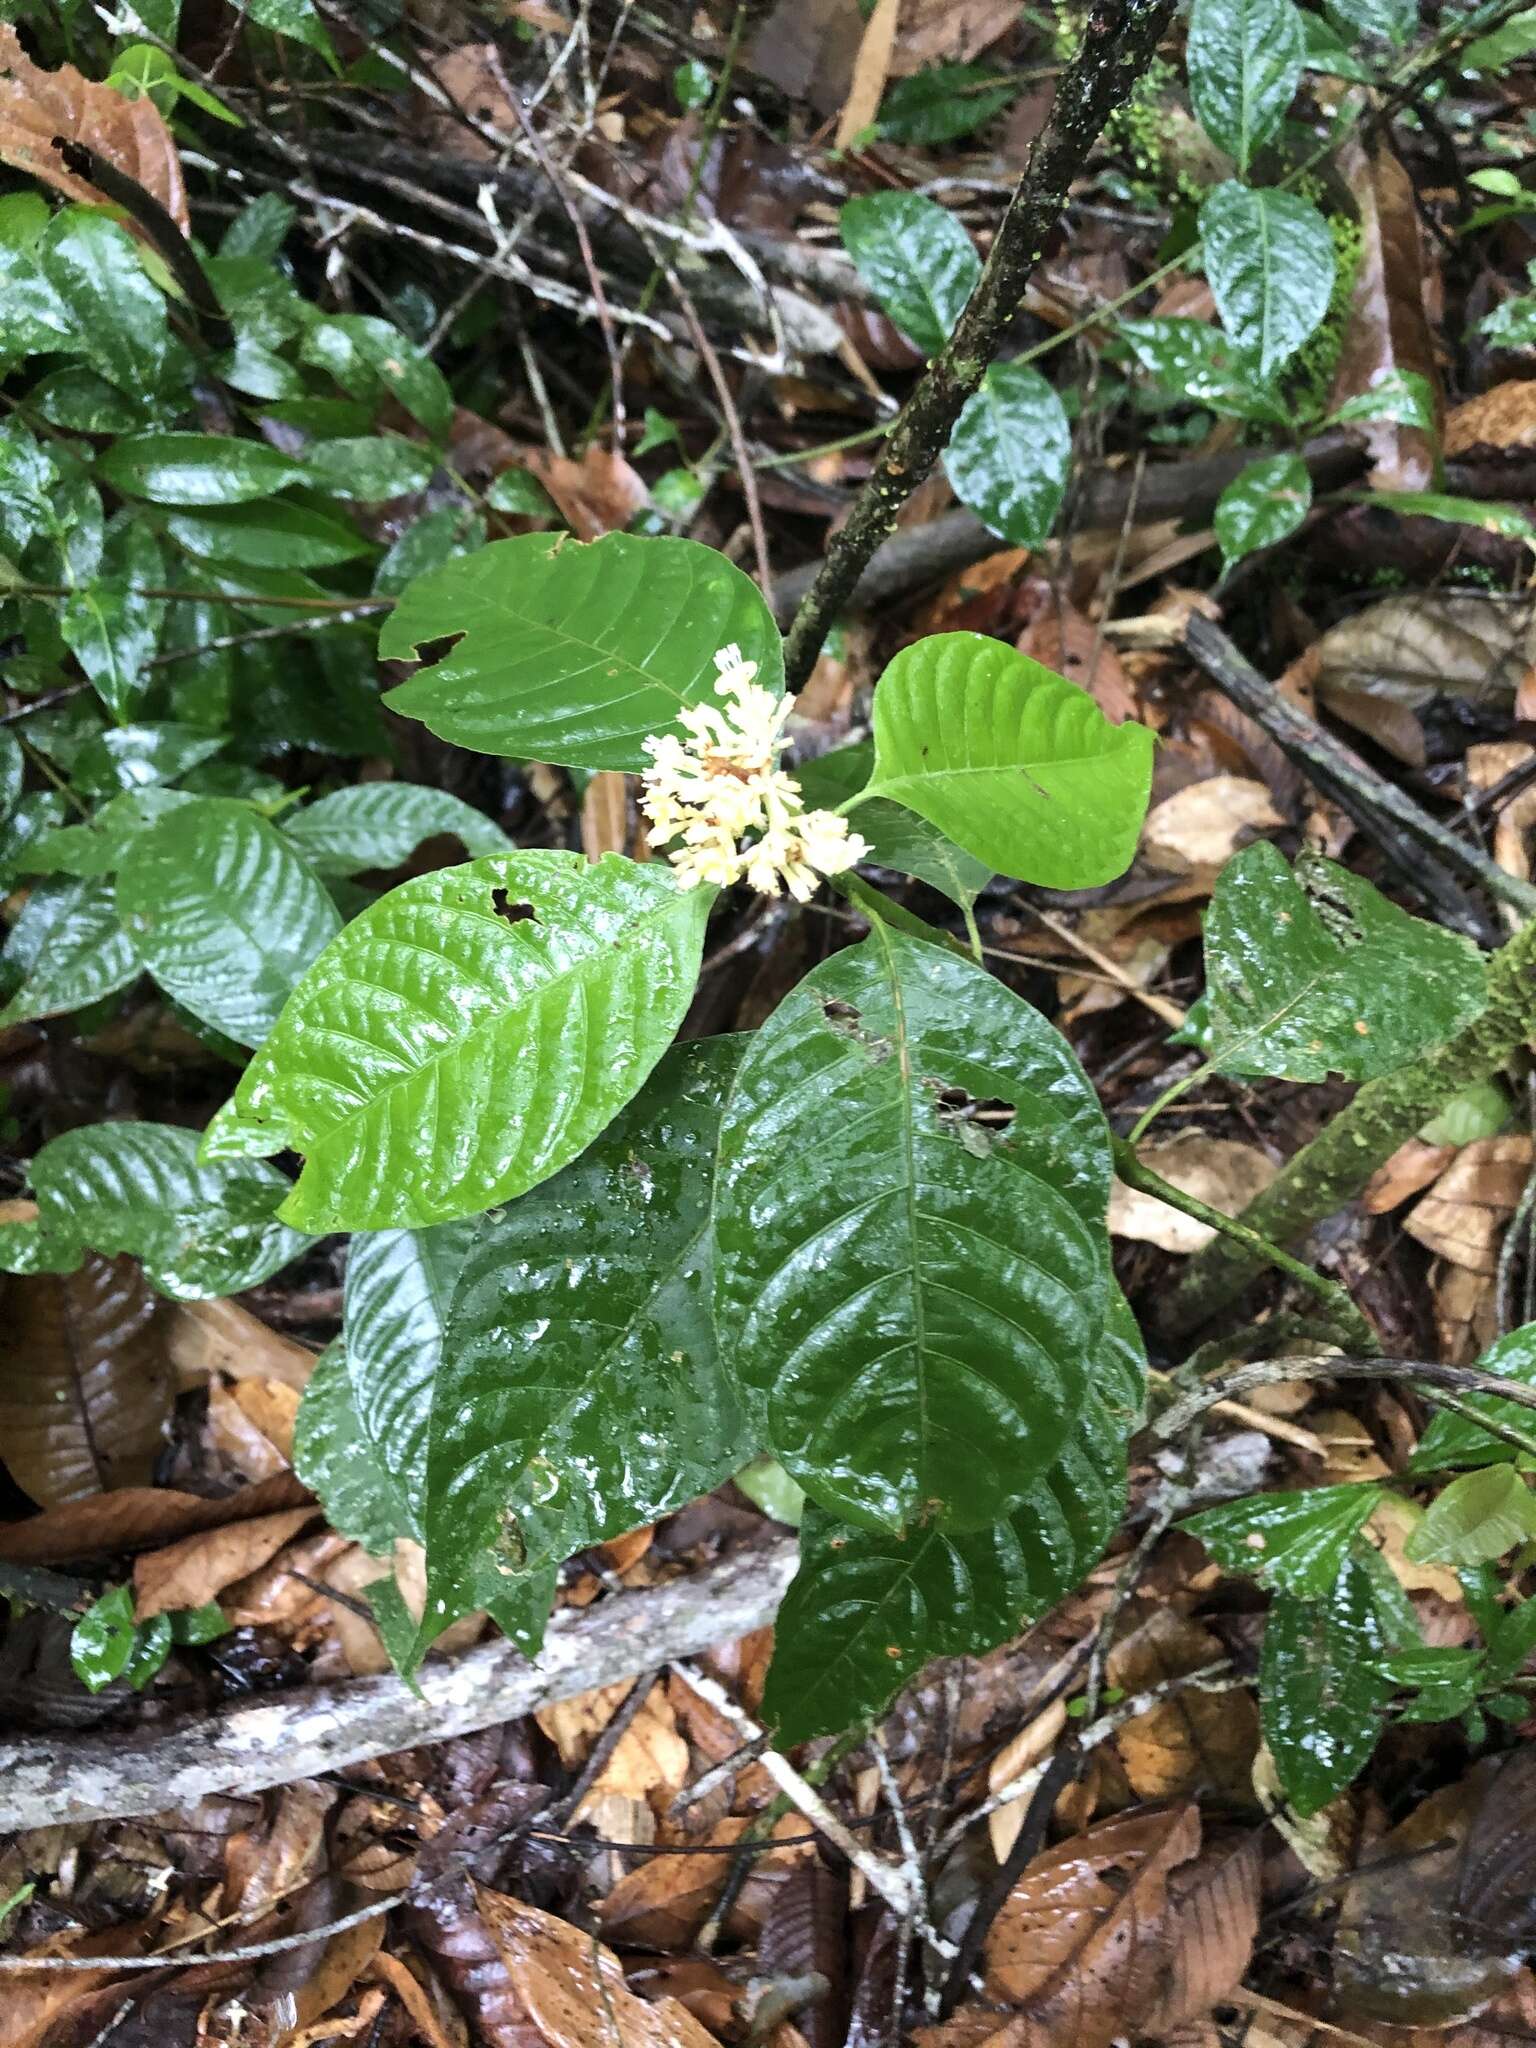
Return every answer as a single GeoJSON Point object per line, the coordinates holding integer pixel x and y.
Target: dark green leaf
{"type": "Point", "coordinates": [574, 653]}
{"type": "Point", "coordinates": [1011, 761]}
{"type": "Point", "coordinates": [195, 469]}
{"type": "Point", "coordinates": [899, 1130]}
{"type": "Point", "coordinates": [943, 103]}
{"type": "Point", "coordinates": [1511, 1639]}
{"type": "Point", "coordinates": [13, 768]}
{"type": "Point", "coordinates": [1478, 1517]}
{"type": "Point", "coordinates": [1296, 1541]}
{"type": "Point", "coordinates": [1244, 67]}
{"type": "Point", "coordinates": [336, 1460]}
{"type": "Point", "coordinates": [110, 625]}
{"type": "Point", "coordinates": [203, 1624]}
{"type": "Point", "coordinates": [1402, 396]}
{"type": "Point", "coordinates": [108, 1644]}
{"type": "Point", "coordinates": [1391, 20]}
{"type": "Point", "coordinates": [436, 537]}
{"type": "Point", "coordinates": [369, 467]}
{"type": "Point", "coordinates": [1320, 1690]}
{"type": "Point", "coordinates": [116, 315]}
{"type": "Point", "coordinates": [373, 360]}
{"type": "Point", "coordinates": [1262, 505]}
{"type": "Point", "coordinates": [916, 259]}
{"type": "Point", "coordinates": [259, 229]}
{"type": "Point", "coordinates": [1317, 973]}
{"type": "Point", "coordinates": [273, 534]}
{"type": "Point", "coordinates": [294, 18]}
{"type": "Point", "coordinates": [226, 916]}
{"type": "Point", "coordinates": [78, 398]}
{"type": "Point", "coordinates": [137, 757]}
{"type": "Point", "coordinates": [70, 949]}
{"type": "Point", "coordinates": [1008, 455]}
{"type": "Point", "coordinates": [1270, 261]}
{"type": "Point", "coordinates": [380, 824]}
{"type": "Point", "coordinates": [897, 838]}
{"type": "Point", "coordinates": [467, 1036]}
{"type": "Point", "coordinates": [518, 490]}
{"type": "Point", "coordinates": [1196, 360]}
{"type": "Point", "coordinates": [1325, 50]}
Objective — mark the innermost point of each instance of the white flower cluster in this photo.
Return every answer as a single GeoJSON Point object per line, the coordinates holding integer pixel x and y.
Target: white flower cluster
{"type": "Point", "coordinates": [738, 815]}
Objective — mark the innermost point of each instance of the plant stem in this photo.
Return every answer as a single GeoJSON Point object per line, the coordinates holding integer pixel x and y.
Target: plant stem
{"type": "Point", "coordinates": [1274, 1372]}
{"type": "Point", "coordinates": [1352, 1327]}
{"type": "Point", "coordinates": [1335, 1166]}
{"type": "Point", "coordinates": [1118, 44]}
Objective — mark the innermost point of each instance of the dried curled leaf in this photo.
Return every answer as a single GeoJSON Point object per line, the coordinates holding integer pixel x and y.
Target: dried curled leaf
{"type": "Point", "coordinates": [85, 1385]}
{"type": "Point", "coordinates": [36, 105]}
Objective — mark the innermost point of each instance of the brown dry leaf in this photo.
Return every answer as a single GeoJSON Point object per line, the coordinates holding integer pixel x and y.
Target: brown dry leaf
{"type": "Point", "coordinates": [1465, 1211]}
{"type": "Point", "coordinates": [599, 494]}
{"type": "Point", "coordinates": [1214, 1911]}
{"type": "Point", "coordinates": [432, 2026]}
{"type": "Point", "coordinates": [36, 105]}
{"type": "Point", "coordinates": [1388, 329]}
{"type": "Point", "coordinates": [610, 821]}
{"type": "Point", "coordinates": [573, 1988]}
{"type": "Point", "coordinates": [85, 1388]}
{"type": "Point", "coordinates": [1224, 1173]}
{"type": "Point", "coordinates": [1399, 656]}
{"type": "Point", "coordinates": [275, 1594]}
{"type": "Point", "coordinates": [135, 1518]}
{"type": "Point", "coordinates": [871, 68]}
{"type": "Point", "coordinates": [198, 1568]}
{"type": "Point", "coordinates": [208, 1337]}
{"type": "Point", "coordinates": [1408, 1172]}
{"type": "Point", "coordinates": [806, 48]}
{"type": "Point", "coordinates": [938, 31]}
{"type": "Point", "coordinates": [270, 1862]}
{"type": "Point", "coordinates": [1204, 824]}
{"type": "Point", "coordinates": [1032, 1745]}
{"type": "Point", "coordinates": [650, 1756]}
{"type": "Point", "coordinates": [662, 1903]}
{"type": "Point", "coordinates": [1063, 639]}
{"type": "Point", "coordinates": [1503, 419]}
{"type": "Point", "coordinates": [251, 1425]}
{"type": "Point", "coordinates": [1194, 1742]}
{"type": "Point", "coordinates": [1515, 818]}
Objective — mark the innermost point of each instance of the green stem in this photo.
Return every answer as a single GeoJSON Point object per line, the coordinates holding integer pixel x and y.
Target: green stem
{"type": "Point", "coordinates": [1169, 1096]}
{"type": "Point", "coordinates": [1351, 1325]}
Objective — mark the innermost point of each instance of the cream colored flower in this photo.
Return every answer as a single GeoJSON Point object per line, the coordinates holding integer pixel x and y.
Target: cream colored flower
{"type": "Point", "coordinates": [722, 793]}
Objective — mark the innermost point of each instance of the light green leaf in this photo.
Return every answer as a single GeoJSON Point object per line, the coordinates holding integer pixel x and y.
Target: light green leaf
{"type": "Point", "coordinates": [1325, 50]}
{"type": "Point", "coordinates": [1393, 21]}
{"type": "Point", "coordinates": [380, 824]}
{"type": "Point", "coordinates": [1500, 519]}
{"type": "Point", "coordinates": [13, 769]}
{"type": "Point", "coordinates": [1320, 1690]}
{"type": "Point", "coordinates": [226, 916]}
{"type": "Point", "coordinates": [1481, 1111]}
{"type": "Point", "coordinates": [369, 467]}
{"type": "Point", "coordinates": [467, 1035]}
{"type": "Point", "coordinates": [1261, 506]}
{"type": "Point", "coordinates": [1477, 1518]}
{"type": "Point", "coordinates": [1510, 41]}
{"type": "Point", "coordinates": [108, 1644]}
{"type": "Point", "coordinates": [573, 653]}
{"type": "Point", "coordinates": [1244, 67]}
{"type": "Point", "coordinates": [897, 838]}
{"type": "Point", "coordinates": [199, 1231]}
{"type": "Point", "coordinates": [1512, 325]}
{"type": "Point", "coordinates": [373, 361]}
{"type": "Point", "coordinates": [116, 315]}
{"type": "Point", "coordinates": [581, 1392]}
{"type": "Point", "coordinates": [1402, 396]}
{"type": "Point", "coordinates": [274, 533]}
{"type": "Point", "coordinates": [899, 1130]}
{"type": "Point", "coordinates": [692, 85]}
{"type": "Point", "coordinates": [916, 259]}
{"type": "Point", "coordinates": [1270, 261]}
{"type": "Point", "coordinates": [769, 1487]}
{"type": "Point", "coordinates": [1317, 973]}
{"type": "Point", "coordinates": [1452, 1440]}
{"type": "Point", "coordinates": [1296, 1541]}
{"type": "Point", "coordinates": [109, 624]}
{"type": "Point", "coordinates": [70, 948]}
{"type": "Point", "coordinates": [1008, 455]}
{"type": "Point", "coordinates": [335, 1458]}
{"type": "Point", "coordinates": [195, 469]}
{"type": "Point", "coordinates": [1011, 761]}
{"type": "Point", "coordinates": [1196, 360]}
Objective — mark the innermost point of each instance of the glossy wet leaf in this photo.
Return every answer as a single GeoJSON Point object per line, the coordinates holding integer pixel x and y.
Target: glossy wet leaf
{"type": "Point", "coordinates": [1404, 397]}
{"type": "Point", "coordinates": [295, 18]}
{"type": "Point", "coordinates": [897, 838]}
{"type": "Point", "coordinates": [373, 360]}
{"type": "Point", "coordinates": [1196, 360]}
{"type": "Point", "coordinates": [1296, 1541]}
{"type": "Point", "coordinates": [97, 846]}
{"type": "Point", "coordinates": [13, 769]}
{"type": "Point", "coordinates": [337, 1460]}
{"type": "Point", "coordinates": [199, 1231]}
{"type": "Point", "coordinates": [110, 626]}
{"type": "Point", "coordinates": [1320, 1690]}
{"type": "Point", "coordinates": [581, 1392]}
{"type": "Point", "coordinates": [369, 467]}
{"type": "Point", "coordinates": [1244, 61]}
{"type": "Point", "coordinates": [1261, 506]}
{"type": "Point", "coordinates": [1011, 761]}
{"type": "Point", "coordinates": [1475, 1519]}
{"type": "Point", "coordinates": [904, 1355]}
{"type": "Point", "coordinates": [467, 1035]}
{"type": "Point", "coordinates": [917, 260]}
{"type": "Point", "coordinates": [1009, 453]}
{"type": "Point", "coordinates": [107, 1643]}
{"type": "Point", "coordinates": [1393, 21]}
{"type": "Point", "coordinates": [1270, 261]}
{"type": "Point", "coordinates": [117, 317]}
{"type": "Point", "coordinates": [381, 824]}
{"type": "Point", "coordinates": [273, 533]}
{"type": "Point", "coordinates": [1500, 519]}
{"type": "Point", "coordinates": [573, 653]}
{"type": "Point", "coordinates": [195, 469]}
{"type": "Point", "coordinates": [70, 949]}
{"type": "Point", "coordinates": [226, 915]}
{"type": "Point", "coordinates": [1452, 1440]}
{"type": "Point", "coordinates": [1316, 972]}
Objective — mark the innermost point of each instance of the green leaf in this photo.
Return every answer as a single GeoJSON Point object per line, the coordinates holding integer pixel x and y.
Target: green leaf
{"type": "Point", "coordinates": [13, 769]}
{"type": "Point", "coordinates": [1270, 261]}
{"type": "Point", "coordinates": [769, 1487]}
{"type": "Point", "coordinates": [335, 1458]}
{"type": "Point", "coordinates": [1320, 1690]}
{"type": "Point", "coordinates": [1262, 505]}
{"type": "Point", "coordinates": [1402, 396]}
{"type": "Point", "coordinates": [1296, 1541]}
{"type": "Point", "coordinates": [897, 838]}
{"type": "Point", "coordinates": [1481, 1111]}
{"type": "Point", "coordinates": [1500, 519]}
{"type": "Point", "coordinates": [373, 360]}
{"type": "Point", "coordinates": [259, 230]}
{"type": "Point", "coordinates": [195, 469]}
{"type": "Point", "coordinates": [1393, 21]}
{"type": "Point", "coordinates": [1317, 973]}
{"type": "Point", "coordinates": [296, 19]}
{"type": "Point", "coordinates": [868, 1609]}
{"type": "Point", "coordinates": [381, 824]}
{"type": "Point", "coordinates": [1478, 1517]}
{"type": "Point", "coordinates": [943, 103]}
{"type": "Point", "coordinates": [70, 949]}
{"type": "Point", "coordinates": [116, 315]}
{"type": "Point", "coordinates": [1324, 50]}
{"type": "Point", "coordinates": [1510, 41]}
{"type": "Point", "coordinates": [1244, 67]}
{"type": "Point", "coordinates": [899, 1126]}
{"type": "Point", "coordinates": [108, 1644]}
{"type": "Point", "coordinates": [580, 1392]}
{"type": "Point", "coordinates": [199, 1231]}
{"type": "Point", "coordinates": [436, 537]}
{"type": "Point", "coordinates": [916, 259]}
{"type": "Point", "coordinates": [272, 534]}
{"type": "Point", "coordinates": [1453, 1440]}
{"type": "Point", "coordinates": [1011, 761]}
{"type": "Point", "coordinates": [110, 626]}
{"type": "Point", "coordinates": [138, 757]}
{"type": "Point", "coordinates": [467, 1035]}
{"type": "Point", "coordinates": [1008, 455]}
{"type": "Point", "coordinates": [1196, 360]}
{"type": "Point", "coordinates": [225, 914]}
{"type": "Point", "coordinates": [203, 1624]}
{"type": "Point", "coordinates": [1511, 1639]}
{"type": "Point", "coordinates": [1512, 325]}
{"type": "Point", "coordinates": [573, 653]}
{"type": "Point", "coordinates": [518, 490]}
{"type": "Point", "coordinates": [369, 467]}
{"type": "Point", "coordinates": [692, 85]}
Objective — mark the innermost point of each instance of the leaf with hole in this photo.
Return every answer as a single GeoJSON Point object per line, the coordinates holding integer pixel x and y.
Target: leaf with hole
{"type": "Point", "coordinates": [573, 653]}
{"type": "Point", "coordinates": [900, 1130]}
{"type": "Point", "coordinates": [1011, 761]}
{"type": "Point", "coordinates": [917, 260]}
{"type": "Point", "coordinates": [1009, 453]}
{"type": "Point", "coordinates": [1453, 1440]}
{"type": "Point", "coordinates": [1262, 505]}
{"type": "Point", "coordinates": [1315, 972]}
{"type": "Point", "coordinates": [1320, 1690]}
{"type": "Point", "coordinates": [70, 949]}
{"type": "Point", "coordinates": [467, 1036]}
{"type": "Point", "coordinates": [1296, 1541]}
{"type": "Point", "coordinates": [225, 914]}
{"type": "Point", "coordinates": [1244, 61]}
{"type": "Point", "coordinates": [381, 824]}
{"type": "Point", "coordinates": [1270, 261]}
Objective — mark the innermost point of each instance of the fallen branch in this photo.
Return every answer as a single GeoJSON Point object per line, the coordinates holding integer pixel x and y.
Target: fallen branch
{"type": "Point", "coordinates": [1430, 1377]}
{"type": "Point", "coordinates": [48, 1779]}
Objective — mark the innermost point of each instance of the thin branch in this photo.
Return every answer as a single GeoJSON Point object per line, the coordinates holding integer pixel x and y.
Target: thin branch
{"type": "Point", "coordinates": [738, 439]}
{"type": "Point", "coordinates": [1273, 1372]}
